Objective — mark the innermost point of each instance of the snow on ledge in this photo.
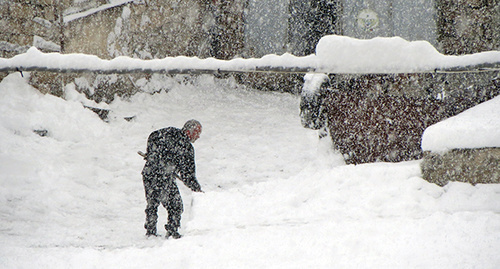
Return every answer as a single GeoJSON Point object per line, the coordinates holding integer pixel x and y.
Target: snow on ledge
{"type": "Point", "coordinates": [33, 59]}
{"type": "Point", "coordinates": [477, 127]}
{"type": "Point", "coordinates": [83, 14]}
{"type": "Point", "coordinates": [334, 54]}
{"type": "Point", "coordinates": [342, 54]}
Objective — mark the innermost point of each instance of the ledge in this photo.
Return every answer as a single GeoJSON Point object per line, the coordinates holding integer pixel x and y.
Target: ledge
{"type": "Point", "coordinates": [474, 166]}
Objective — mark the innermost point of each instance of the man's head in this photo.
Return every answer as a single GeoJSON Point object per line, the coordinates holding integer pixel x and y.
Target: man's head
{"type": "Point", "coordinates": [192, 128]}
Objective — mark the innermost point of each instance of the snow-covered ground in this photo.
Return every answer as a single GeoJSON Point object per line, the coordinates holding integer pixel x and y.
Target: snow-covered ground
{"type": "Point", "coordinates": [275, 197]}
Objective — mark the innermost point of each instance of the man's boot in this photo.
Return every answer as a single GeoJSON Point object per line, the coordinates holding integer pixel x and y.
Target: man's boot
{"type": "Point", "coordinates": [150, 231]}
{"type": "Point", "coordinates": [172, 231]}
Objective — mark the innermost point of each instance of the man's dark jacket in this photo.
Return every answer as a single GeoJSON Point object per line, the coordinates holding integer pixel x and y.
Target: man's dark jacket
{"type": "Point", "coordinates": [170, 152]}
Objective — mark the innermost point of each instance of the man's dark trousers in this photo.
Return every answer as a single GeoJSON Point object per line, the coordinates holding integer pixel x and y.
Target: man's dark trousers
{"type": "Point", "coordinates": [162, 189]}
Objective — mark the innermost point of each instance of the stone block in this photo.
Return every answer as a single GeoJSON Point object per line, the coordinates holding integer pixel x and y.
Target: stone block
{"type": "Point", "coordinates": [24, 11]}
{"type": "Point", "coordinates": [46, 2]}
{"type": "Point", "coordinates": [21, 39]}
{"type": "Point", "coordinates": [17, 26]}
{"type": "Point", "coordinates": [48, 13]}
{"type": "Point", "coordinates": [4, 11]}
{"type": "Point", "coordinates": [474, 166]}
{"type": "Point", "coordinates": [47, 82]}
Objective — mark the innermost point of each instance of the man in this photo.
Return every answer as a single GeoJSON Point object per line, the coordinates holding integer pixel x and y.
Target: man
{"type": "Point", "coordinates": [169, 155]}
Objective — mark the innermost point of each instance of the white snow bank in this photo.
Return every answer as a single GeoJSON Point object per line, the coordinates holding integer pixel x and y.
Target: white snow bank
{"type": "Point", "coordinates": [334, 54]}
{"type": "Point", "coordinates": [477, 127]}
{"type": "Point", "coordinates": [24, 109]}
{"type": "Point", "coordinates": [342, 54]}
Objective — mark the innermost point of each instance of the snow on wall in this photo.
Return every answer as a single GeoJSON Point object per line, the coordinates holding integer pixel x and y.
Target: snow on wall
{"type": "Point", "coordinates": [312, 83]}
{"type": "Point", "coordinates": [41, 43]}
{"type": "Point", "coordinates": [477, 127]}
{"type": "Point", "coordinates": [112, 4]}
{"type": "Point", "coordinates": [344, 54]}
{"type": "Point", "coordinates": [334, 54]}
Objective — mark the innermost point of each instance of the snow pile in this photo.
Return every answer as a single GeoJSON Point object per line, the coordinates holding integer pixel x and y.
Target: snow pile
{"type": "Point", "coordinates": [24, 109]}
{"type": "Point", "coordinates": [334, 54]}
{"type": "Point", "coordinates": [342, 54]}
{"type": "Point", "coordinates": [312, 83]}
{"type": "Point", "coordinates": [378, 55]}
{"type": "Point", "coordinates": [477, 127]}
{"type": "Point", "coordinates": [273, 199]}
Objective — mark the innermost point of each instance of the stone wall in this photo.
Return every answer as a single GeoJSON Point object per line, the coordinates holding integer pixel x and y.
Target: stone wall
{"type": "Point", "coordinates": [158, 28]}
{"type": "Point", "coordinates": [89, 35]}
{"type": "Point", "coordinates": [468, 26]}
{"type": "Point", "coordinates": [147, 30]}
{"type": "Point", "coordinates": [474, 166]}
{"type": "Point", "coordinates": [25, 23]}
{"type": "Point", "coordinates": [382, 117]}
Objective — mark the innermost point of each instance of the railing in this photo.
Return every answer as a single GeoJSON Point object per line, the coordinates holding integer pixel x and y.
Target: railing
{"type": "Point", "coordinates": [35, 60]}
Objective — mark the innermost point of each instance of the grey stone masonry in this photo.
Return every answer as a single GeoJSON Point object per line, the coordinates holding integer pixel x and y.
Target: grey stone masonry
{"type": "Point", "coordinates": [26, 22]}
{"type": "Point", "coordinates": [474, 166]}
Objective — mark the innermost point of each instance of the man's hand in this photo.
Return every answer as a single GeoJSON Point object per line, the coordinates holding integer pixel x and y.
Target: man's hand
{"type": "Point", "coordinates": [194, 189]}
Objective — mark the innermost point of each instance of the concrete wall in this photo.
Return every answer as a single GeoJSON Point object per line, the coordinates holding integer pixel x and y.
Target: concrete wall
{"type": "Point", "coordinates": [266, 27]}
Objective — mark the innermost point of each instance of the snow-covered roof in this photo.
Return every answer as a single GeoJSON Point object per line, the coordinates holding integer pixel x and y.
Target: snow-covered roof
{"type": "Point", "coordinates": [88, 12]}
{"type": "Point", "coordinates": [477, 127]}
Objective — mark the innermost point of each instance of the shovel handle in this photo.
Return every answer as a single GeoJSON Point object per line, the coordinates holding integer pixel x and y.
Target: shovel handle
{"type": "Point", "coordinates": [144, 155]}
